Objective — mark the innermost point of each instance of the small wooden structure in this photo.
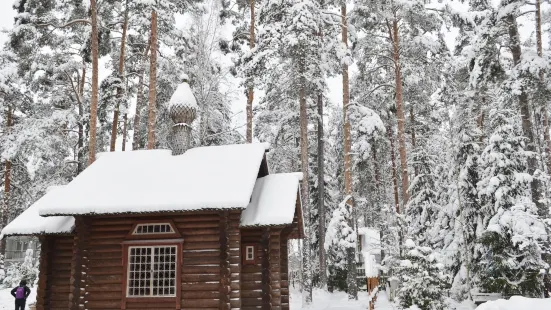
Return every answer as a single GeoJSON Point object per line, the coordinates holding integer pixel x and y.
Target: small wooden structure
{"type": "Point", "coordinates": [205, 228]}
{"type": "Point", "coordinates": [369, 249]}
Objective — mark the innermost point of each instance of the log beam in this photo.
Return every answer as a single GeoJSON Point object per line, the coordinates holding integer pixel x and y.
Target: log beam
{"type": "Point", "coordinates": [235, 260]}
{"type": "Point", "coordinates": [225, 272]}
{"type": "Point", "coordinates": [266, 274]}
{"type": "Point", "coordinates": [275, 268]}
{"type": "Point", "coordinates": [42, 298]}
{"type": "Point", "coordinates": [284, 267]}
{"type": "Point", "coordinates": [79, 272]}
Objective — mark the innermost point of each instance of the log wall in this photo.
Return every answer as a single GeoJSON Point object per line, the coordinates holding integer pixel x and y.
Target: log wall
{"type": "Point", "coordinates": [212, 274]}
{"type": "Point", "coordinates": [103, 273]}
{"type": "Point", "coordinates": [264, 284]}
{"type": "Point", "coordinates": [55, 271]}
{"type": "Point", "coordinates": [251, 275]}
{"type": "Point", "coordinates": [284, 253]}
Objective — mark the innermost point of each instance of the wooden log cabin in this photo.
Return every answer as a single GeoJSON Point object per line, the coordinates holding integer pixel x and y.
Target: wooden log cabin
{"type": "Point", "coordinates": [193, 228]}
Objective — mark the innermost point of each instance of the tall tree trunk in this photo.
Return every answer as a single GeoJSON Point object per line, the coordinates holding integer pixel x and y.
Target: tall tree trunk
{"type": "Point", "coordinates": [400, 110]}
{"type": "Point", "coordinates": [119, 89]}
{"type": "Point", "coordinates": [413, 140]}
{"type": "Point", "coordinates": [307, 279]}
{"type": "Point", "coordinates": [250, 92]}
{"type": "Point", "coordinates": [80, 151]}
{"type": "Point", "coordinates": [394, 174]}
{"type": "Point", "coordinates": [95, 85]}
{"type": "Point", "coordinates": [124, 131]}
{"type": "Point", "coordinates": [321, 194]}
{"type": "Point", "coordinates": [541, 74]}
{"type": "Point", "coordinates": [151, 120]}
{"type": "Point", "coordinates": [139, 100]}
{"type": "Point", "coordinates": [527, 126]}
{"type": "Point", "coordinates": [7, 184]}
{"type": "Point", "coordinates": [351, 253]}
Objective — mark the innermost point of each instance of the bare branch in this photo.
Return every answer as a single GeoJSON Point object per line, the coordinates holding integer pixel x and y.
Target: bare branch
{"type": "Point", "coordinates": [71, 23]}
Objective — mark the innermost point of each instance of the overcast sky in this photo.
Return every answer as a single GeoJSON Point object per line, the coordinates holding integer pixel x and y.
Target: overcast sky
{"type": "Point", "coordinates": [6, 17]}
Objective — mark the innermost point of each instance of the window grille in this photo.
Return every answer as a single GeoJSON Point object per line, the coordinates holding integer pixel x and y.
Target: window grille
{"type": "Point", "coordinates": [152, 271]}
{"type": "Point", "coordinates": [249, 252]}
{"type": "Point", "coordinates": [153, 228]}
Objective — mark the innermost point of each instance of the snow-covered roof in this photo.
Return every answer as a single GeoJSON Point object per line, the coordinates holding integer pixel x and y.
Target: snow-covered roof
{"type": "Point", "coordinates": [273, 201]}
{"type": "Point", "coordinates": [205, 178]}
{"type": "Point", "coordinates": [31, 223]}
{"type": "Point", "coordinates": [215, 177]}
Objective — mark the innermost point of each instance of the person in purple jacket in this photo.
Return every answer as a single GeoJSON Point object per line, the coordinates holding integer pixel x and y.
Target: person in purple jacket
{"type": "Point", "coordinates": [21, 293]}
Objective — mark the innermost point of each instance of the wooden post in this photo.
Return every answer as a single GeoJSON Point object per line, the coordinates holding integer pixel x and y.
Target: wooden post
{"type": "Point", "coordinates": [42, 298]}
{"type": "Point", "coordinates": [275, 268]}
{"type": "Point", "coordinates": [235, 260]}
{"type": "Point", "coordinates": [225, 272]}
{"type": "Point", "coordinates": [266, 276]}
{"type": "Point", "coordinates": [77, 294]}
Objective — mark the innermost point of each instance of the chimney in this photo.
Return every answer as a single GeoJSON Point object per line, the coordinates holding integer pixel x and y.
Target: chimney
{"type": "Point", "coordinates": [182, 108]}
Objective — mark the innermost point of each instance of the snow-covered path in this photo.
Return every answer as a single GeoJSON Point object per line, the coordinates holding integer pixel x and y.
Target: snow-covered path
{"type": "Point", "coordinates": [382, 302]}
{"type": "Point", "coordinates": [339, 301]}
{"type": "Point", "coordinates": [326, 301]}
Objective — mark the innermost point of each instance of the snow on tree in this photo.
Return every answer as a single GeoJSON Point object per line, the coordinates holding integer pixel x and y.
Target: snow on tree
{"type": "Point", "coordinates": [27, 270]}
{"type": "Point", "coordinates": [423, 281]}
{"type": "Point", "coordinates": [340, 239]}
{"type": "Point", "coordinates": [511, 230]}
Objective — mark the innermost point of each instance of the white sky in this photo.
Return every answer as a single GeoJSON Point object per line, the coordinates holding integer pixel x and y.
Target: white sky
{"type": "Point", "coordinates": [6, 17]}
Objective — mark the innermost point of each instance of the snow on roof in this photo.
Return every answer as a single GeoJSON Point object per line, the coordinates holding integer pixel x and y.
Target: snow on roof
{"type": "Point", "coordinates": [371, 240]}
{"type": "Point", "coordinates": [215, 177]}
{"type": "Point", "coordinates": [31, 223]}
{"type": "Point", "coordinates": [273, 201]}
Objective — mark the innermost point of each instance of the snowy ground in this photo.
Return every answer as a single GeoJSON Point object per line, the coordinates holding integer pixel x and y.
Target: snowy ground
{"type": "Point", "coordinates": [339, 301]}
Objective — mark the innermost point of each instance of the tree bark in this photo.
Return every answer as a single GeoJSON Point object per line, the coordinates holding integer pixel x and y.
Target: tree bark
{"type": "Point", "coordinates": [527, 126]}
{"type": "Point", "coordinates": [95, 85]}
{"type": "Point", "coordinates": [393, 161]}
{"type": "Point", "coordinates": [7, 184]}
{"type": "Point", "coordinates": [541, 75]}
{"type": "Point", "coordinates": [80, 151]}
{"type": "Point", "coordinates": [321, 193]}
{"type": "Point", "coordinates": [124, 131]}
{"type": "Point", "coordinates": [139, 101]}
{"type": "Point", "coordinates": [119, 90]}
{"type": "Point", "coordinates": [400, 111]}
{"type": "Point", "coordinates": [250, 92]}
{"type": "Point", "coordinates": [413, 140]}
{"type": "Point", "coordinates": [151, 120]}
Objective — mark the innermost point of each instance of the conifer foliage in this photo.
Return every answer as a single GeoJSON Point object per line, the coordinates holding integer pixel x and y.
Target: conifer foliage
{"type": "Point", "coordinates": [425, 120]}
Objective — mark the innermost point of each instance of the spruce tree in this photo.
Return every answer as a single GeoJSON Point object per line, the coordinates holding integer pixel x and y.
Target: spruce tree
{"type": "Point", "coordinates": [511, 228]}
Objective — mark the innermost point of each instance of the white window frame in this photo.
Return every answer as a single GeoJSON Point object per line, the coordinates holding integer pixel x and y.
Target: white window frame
{"type": "Point", "coordinates": [151, 279]}
{"type": "Point", "coordinates": [136, 233]}
{"type": "Point", "coordinates": [247, 248]}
